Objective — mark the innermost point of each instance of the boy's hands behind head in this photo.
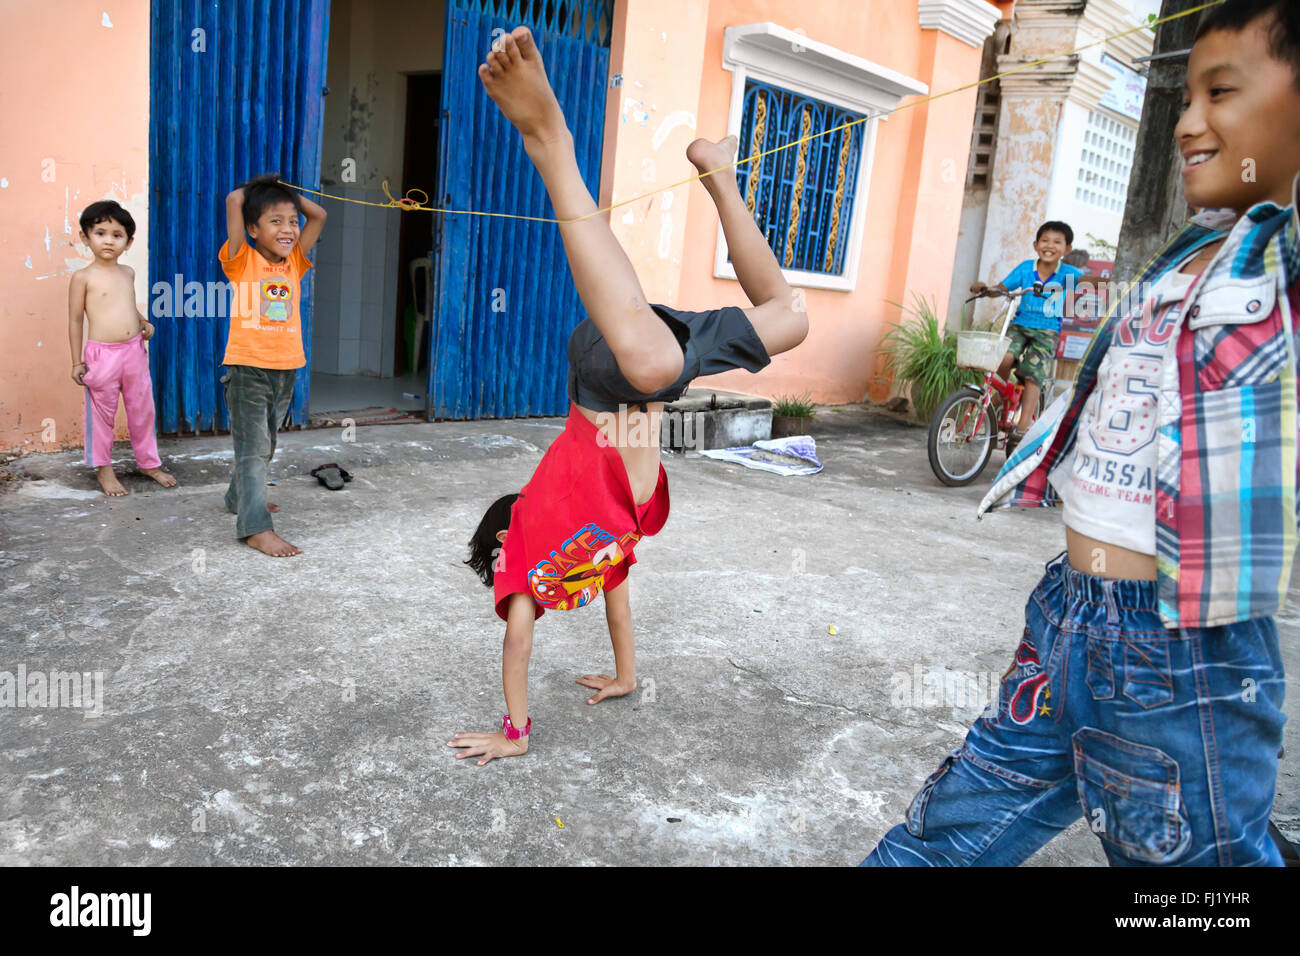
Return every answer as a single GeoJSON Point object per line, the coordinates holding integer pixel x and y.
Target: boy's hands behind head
{"type": "Point", "coordinates": [266, 179]}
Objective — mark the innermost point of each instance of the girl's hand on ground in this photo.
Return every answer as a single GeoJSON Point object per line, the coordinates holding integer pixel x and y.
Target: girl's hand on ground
{"type": "Point", "coordinates": [77, 376]}
{"type": "Point", "coordinates": [606, 686]}
{"type": "Point", "coordinates": [489, 746]}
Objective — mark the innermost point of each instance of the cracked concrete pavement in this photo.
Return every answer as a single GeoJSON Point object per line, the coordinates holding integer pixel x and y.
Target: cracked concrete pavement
{"type": "Point", "coordinates": [296, 711]}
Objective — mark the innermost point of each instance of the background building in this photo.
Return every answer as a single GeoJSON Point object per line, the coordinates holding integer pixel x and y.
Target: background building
{"type": "Point", "coordinates": [1056, 140]}
{"type": "Point", "coordinates": [349, 94]}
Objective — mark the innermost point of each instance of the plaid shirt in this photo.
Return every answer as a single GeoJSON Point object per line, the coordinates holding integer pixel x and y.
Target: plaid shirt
{"type": "Point", "coordinates": [1227, 511]}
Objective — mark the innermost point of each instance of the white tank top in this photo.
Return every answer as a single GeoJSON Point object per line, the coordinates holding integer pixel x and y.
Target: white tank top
{"type": "Point", "coordinates": [1109, 491]}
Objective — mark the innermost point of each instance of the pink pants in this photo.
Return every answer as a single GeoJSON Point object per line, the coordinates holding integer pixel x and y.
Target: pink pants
{"type": "Point", "coordinates": [112, 369]}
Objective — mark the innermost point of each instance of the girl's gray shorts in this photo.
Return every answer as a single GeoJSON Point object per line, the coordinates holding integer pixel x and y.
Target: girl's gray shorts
{"type": "Point", "coordinates": [711, 342]}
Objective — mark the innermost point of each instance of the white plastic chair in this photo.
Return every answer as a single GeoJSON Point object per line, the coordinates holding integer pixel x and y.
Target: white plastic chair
{"type": "Point", "coordinates": [421, 291]}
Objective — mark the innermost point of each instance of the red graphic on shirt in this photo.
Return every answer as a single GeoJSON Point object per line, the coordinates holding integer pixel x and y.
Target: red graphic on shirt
{"type": "Point", "coordinates": [1025, 683]}
{"type": "Point", "coordinates": [572, 576]}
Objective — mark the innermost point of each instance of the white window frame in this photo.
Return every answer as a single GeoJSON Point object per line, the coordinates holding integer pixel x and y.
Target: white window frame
{"type": "Point", "coordinates": [773, 54]}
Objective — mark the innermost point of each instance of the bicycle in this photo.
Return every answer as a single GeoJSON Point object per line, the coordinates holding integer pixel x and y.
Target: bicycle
{"type": "Point", "coordinates": [973, 420]}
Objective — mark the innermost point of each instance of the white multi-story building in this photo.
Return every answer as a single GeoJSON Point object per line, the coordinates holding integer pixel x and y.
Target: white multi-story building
{"type": "Point", "coordinates": [1053, 140]}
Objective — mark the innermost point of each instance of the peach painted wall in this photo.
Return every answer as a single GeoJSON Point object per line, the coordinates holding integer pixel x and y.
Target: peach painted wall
{"type": "Point", "coordinates": [658, 47]}
{"type": "Point", "coordinates": [914, 199]}
{"type": "Point", "coordinates": [74, 105]}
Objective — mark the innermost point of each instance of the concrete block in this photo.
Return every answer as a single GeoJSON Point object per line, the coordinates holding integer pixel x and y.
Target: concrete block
{"type": "Point", "coordinates": [709, 418]}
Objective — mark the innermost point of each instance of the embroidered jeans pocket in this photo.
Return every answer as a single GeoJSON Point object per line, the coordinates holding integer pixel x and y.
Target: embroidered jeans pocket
{"type": "Point", "coordinates": [1131, 797]}
{"type": "Point", "coordinates": [1101, 675]}
{"type": "Point", "coordinates": [1147, 680]}
{"type": "Point", "coordinates": [916, 809]}
{"type": "Point", "coordinates": [1026, 686]}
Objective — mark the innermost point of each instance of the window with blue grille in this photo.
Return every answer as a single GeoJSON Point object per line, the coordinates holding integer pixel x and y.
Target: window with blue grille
{"type": "Point", "coordinates": [802, 196]}
{"type": "Point", "coordinates": [588, 20]}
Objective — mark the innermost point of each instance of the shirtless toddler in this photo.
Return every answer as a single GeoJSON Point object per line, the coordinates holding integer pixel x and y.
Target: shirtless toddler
{"type": "Point", "coordinates": [103, 313]}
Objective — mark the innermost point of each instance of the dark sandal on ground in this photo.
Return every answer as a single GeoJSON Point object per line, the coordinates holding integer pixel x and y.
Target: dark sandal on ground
{"type": "Point", "coordinates": [1013, 440]}
{"type": "Point", "coordinates": [331, 476]}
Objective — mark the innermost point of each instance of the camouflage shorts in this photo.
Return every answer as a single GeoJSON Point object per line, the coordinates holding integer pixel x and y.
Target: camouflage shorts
{"type": "Point", "coordinates": [1035, 352]}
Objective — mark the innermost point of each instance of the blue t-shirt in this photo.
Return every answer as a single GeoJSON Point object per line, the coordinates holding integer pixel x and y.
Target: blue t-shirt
{"type": "Point", "coordinates": [1040, 312]}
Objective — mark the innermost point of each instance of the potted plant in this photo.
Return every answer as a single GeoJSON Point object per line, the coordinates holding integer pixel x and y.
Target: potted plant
{"type": "Point", "coordinates": [924, 356]}
{"type": "Point", "coordinates": [792, 415]}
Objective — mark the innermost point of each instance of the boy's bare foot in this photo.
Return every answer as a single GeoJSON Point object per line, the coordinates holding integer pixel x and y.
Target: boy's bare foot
{"type": "Point", "coordinates": [706, 155]}
{"type": "Point", "coordinates": [108, 481]}
{"type": "Point", "coordinates": [515, 78]}
{"type": "Point", "coordinates": [274, 509]}
{"type": "Point", "coordinates": [268, 542]}
{"type": "Point", "coordinates": [163, 478]}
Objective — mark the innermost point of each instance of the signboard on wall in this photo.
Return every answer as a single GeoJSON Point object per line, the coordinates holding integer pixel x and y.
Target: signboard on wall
{"type": "Point", "coordinates": [1127, 91]}
{"type": "Point", "coordinates": [1088, 307]}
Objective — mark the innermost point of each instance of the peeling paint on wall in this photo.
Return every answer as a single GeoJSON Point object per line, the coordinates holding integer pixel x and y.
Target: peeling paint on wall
{"type": "Point", "coordinates": [671, 122]}
{"type": "Point", "coordinates": [665, 247]}
{"type": "Point", "coordinates": [637, 110]}
{"type": "Point", "coordinates": [98, 150]}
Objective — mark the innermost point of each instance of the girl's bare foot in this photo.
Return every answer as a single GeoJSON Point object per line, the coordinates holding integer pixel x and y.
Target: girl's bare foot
{"type": "Point", "coordinates": [108, 481]}
{"type": "Point", "coordinates": [706, 155]}
{"type": "Point", "coordinates": [268, 542]}
{"type": "Point", "coordinates": [515, 79]}
{"type": "Point", "coordinates": [163, 478]}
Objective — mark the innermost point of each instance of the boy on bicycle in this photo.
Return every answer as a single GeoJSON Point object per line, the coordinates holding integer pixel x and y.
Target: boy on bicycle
{"type": "Point", "coordinates": [1146, 692]}
{"type": "Point", "coordinates": [1037, 324]}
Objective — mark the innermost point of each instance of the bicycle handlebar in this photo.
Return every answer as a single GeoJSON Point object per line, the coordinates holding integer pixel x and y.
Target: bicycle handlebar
{"type": "Point", "coordinates": [988, 293]}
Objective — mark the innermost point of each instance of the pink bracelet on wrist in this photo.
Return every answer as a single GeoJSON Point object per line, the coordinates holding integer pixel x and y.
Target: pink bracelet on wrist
{"type": "Point", "coordinates": [512, 732]}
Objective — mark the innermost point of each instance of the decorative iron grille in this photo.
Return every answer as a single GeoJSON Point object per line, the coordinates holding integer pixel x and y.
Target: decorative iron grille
{"type": "Point", "coordinates": [802, 196]}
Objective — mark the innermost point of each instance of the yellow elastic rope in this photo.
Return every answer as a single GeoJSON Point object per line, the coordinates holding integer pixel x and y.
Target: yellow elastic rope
{"type": "Point", "coordinates": [408, 204]}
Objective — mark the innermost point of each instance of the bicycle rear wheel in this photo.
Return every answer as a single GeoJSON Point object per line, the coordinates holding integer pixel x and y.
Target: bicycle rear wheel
{"type": "Point", "coordinates": [961, 438]}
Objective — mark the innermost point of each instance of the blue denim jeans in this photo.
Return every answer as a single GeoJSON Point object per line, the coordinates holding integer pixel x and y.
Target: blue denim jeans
{"type": "Point", "coordinates": [258, 399]}
{"type": "Point", "coordinates": [1164, 740]}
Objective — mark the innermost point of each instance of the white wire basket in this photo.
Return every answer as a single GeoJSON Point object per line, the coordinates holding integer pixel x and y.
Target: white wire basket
{"type": "Point", "coordinates": [981, 350]}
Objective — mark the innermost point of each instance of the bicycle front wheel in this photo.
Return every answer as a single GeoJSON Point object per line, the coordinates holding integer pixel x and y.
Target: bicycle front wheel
{"type": "Point", "coordinates": [962, 435]}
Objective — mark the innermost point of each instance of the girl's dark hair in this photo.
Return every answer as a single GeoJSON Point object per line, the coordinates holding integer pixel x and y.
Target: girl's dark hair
{"type": "Point", "coordinates": [483, 546]}
{"type": "Point", "coordinates": [1283, 33]}
{"type": "Point", "coordinates": [266, 191]}
{"type": "Point", "coordinates": [1055, 225]}
{"type": "Point", "coordinates": [106, 211]}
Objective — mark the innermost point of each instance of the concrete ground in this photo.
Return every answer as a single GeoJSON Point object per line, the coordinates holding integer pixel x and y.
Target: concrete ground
{"type": "Point", "coordinates": [262, 711]}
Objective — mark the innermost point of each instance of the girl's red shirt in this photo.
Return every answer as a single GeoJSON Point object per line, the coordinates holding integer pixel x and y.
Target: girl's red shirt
{"type": "Point", "coordinates": [573, 528]}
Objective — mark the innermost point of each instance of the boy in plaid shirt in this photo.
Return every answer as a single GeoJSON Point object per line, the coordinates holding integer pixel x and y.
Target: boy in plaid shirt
{"type": "Point", "coordinates": [1146, 694]}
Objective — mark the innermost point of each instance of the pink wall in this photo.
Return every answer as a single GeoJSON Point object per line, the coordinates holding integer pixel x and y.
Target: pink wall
{"type": "Point", "coordinates": [74, 104]}
{"type": "Point", "coordinates": [649, 121]}
{"type": "Point", "coordinates": [914, 200]}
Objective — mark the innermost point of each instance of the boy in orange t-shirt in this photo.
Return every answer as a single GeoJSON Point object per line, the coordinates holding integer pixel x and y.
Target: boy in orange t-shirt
{"type": "Point", "coordinates": [264, 348]}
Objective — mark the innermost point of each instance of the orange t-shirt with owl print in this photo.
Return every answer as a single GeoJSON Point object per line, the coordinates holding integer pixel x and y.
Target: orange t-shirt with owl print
{"type": "Point", "coordinates": [265, 328]}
